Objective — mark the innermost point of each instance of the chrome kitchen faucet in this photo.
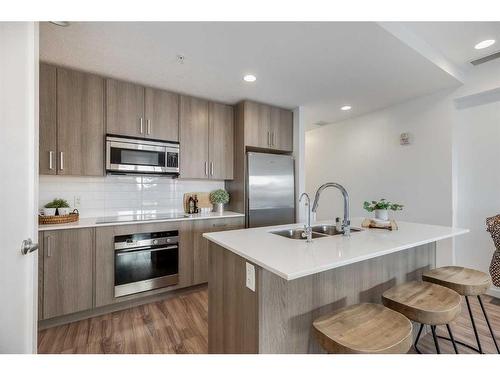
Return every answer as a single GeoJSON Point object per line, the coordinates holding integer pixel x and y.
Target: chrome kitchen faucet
{"type": "Point", "coordinates": [346, 223]}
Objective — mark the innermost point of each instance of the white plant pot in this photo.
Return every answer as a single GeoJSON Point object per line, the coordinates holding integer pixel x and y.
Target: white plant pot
{"type": "Point", "coordinates": [219, 208]}
{"type": "Point", "coordinates": [382, 214]}
{"type": "Point", "coordinates": [63, 210]}
{"type": "Point", "coordinates": [49, 211]}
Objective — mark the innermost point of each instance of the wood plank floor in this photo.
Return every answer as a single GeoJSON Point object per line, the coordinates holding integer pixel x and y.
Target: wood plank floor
{"type": "Point", "coordinates": [179, 325]}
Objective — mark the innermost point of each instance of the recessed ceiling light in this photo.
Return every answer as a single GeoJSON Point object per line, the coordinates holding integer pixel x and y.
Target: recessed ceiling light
{"type": "Point", "coordinates": [485, 44]}
{"type": "Point", "coordinates": [346, 108]}
{"type": "Point", "coordinates": [249, 78]}
{"type": "Point", "coordinates": [60, 23]}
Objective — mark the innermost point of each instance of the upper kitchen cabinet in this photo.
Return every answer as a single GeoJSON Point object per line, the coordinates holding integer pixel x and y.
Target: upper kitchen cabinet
{"type": "Point", "coordinates": [221, 141]}
{"type": "Point", "coordinates": [71, 122]}
{"type": "Point", "coordinates": [206, 134]}
{"type": "Point", "coordinates": [258, 130]}
{"type": "Point", "coordinates": [281, 129]}
{"type": "Point", "coordinates": [136, 111]}
{"type": "Point", "coordinates": [267, 127]}
{"type": "Point", "coordinates": [80, 123]}
{"type": "Point", "coordinates": [193, 131]}
{"type": "Point", "coordinates": [162, 115]}
{"type": "Point", "coordinates": [125, 109]}
{"type": "Point", "coordinates": [47, 119]}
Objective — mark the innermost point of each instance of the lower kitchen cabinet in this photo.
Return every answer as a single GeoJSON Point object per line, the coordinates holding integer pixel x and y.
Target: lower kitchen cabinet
{"type": "Point", "coordinates": [200, 244]}
{"type": "Point", "coordinates": [68, 263]}
{"type": "Point", "coordinates": [77, 266]}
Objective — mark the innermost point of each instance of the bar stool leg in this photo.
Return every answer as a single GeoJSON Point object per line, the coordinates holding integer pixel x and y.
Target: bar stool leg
{"type": "Point", "coordinates": [488, 323]}
{"type": "Point", "coordinates": [433, 329]}
{"type": "Point", "coordinates": [418, 338]}
{"type": "Point", "coordinates": [474, 325]}
{"type": "Point", "coordinates": [452, 339]}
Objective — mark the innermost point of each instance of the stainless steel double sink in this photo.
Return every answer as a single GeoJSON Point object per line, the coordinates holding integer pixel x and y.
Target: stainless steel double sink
{"type": "Point", "coordinates": [318, 231]}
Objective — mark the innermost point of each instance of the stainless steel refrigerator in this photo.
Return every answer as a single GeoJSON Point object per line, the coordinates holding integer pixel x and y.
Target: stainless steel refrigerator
{"type": "Point", "coordinates": [270, 189]}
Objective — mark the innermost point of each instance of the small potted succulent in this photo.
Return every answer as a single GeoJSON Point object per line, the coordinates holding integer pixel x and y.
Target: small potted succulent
{"type": "Point", "coordinates": [219, 198]}
{"type": "Point", "coordinates": [382, 208]}
{"type": "Point", "coordinates": [61, 205]}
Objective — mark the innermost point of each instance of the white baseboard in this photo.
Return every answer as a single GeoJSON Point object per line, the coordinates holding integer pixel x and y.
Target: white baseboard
{"type": "Point", "coordinates": [494, 292]}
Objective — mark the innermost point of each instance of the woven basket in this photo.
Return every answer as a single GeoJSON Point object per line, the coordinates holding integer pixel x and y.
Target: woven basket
{"type": "Point", "coordinates": [59, 219]}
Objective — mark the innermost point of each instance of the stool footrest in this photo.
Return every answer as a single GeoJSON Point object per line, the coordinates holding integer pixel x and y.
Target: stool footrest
{"type": "Point", "coordinates": [462, 344]}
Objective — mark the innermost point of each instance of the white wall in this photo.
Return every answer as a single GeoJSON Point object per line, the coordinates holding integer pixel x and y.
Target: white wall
{"type": "Point", "coordinates": [365, 156]}
{"type": "Point", "coordinates": [446, 176]}
{"type": "Point", "coordinates": [121, 195]}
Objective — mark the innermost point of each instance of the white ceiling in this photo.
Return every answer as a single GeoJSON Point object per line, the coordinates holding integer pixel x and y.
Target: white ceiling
{"type": "Point", "coordinates": [456, 40]}
{"type": "Point", "coordinates": [320, 66]}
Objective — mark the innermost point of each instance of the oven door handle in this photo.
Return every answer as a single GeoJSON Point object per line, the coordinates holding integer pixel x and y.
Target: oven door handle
{"type": "Point", "coordinates": [145, 250]}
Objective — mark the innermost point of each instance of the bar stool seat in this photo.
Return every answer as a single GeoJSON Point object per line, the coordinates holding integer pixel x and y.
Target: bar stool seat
{"type": "Point", "coordinates": [464, 281]}
{"type": "Point", "coordinates": [425, 303]}
{"type": "Point", "coordinates": [363, 329]}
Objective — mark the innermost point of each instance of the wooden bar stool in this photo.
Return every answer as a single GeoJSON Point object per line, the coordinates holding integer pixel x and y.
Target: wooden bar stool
{"type": "Point", "coordinates": [366, 328]}
{"type": "Point", "coordinates": [425, 303]}
{"type": "Point", "coordinates": [466, 282]}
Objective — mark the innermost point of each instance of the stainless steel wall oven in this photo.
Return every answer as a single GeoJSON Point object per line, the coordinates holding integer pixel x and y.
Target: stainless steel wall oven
{"type": "Point", "coordinates": [146, 261]}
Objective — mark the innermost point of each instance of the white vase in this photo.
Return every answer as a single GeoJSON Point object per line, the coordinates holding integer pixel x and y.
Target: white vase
{"type": "Point", "coordinates": [49, 211]}
{"type": "Point", "coordinates": [63, 210]}
{"type": "Point", "coordinates": [219, 208]}
{"type": "Point", "coordinates": [382, 214]}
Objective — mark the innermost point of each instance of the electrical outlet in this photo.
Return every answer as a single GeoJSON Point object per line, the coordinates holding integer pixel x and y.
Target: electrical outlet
{"type": "Point", "coordinates": [77, 201]}
{"type": "Point", "coordinates": [250, 276]}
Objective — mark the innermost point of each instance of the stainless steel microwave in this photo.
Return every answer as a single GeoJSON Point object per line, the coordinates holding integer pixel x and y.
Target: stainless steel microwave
{"type": "Point", "coordinates": [141, 156]}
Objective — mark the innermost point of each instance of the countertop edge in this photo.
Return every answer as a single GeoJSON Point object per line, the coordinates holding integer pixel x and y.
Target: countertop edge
{"type": "Point", "coordinates": [80, 225]}
{"type": "Point", "coordinates": [293, 276]}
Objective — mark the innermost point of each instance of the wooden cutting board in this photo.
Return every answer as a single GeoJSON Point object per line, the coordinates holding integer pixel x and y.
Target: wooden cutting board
{"type": "Point", "coordinates": [368, 223]}
{"type": "Point", "coordinates": [203, 200]}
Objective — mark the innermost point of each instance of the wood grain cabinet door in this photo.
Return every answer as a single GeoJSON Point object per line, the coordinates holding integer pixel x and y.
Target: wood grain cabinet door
{"type": "Point", "coordinates": [47, 119]}
{"type": "Point", "coordinates": [193, 135]}
{"type": "Point", "coordinates": [67, 271]}
{"type": "Point", "coordinates": [162, 115]}
{"type": "Point", "coordinates": [80, 123]}
{"type": "Point", "coordinates": [200, 244]}
{"type": "Point", "coordinates": [281, 129]}
{"type": "Point", "coordinates": [125, 109]}
{"type": "Point", "coordinates": [220, 141]}
{"type": "Point", "coordinates": [257, 118]}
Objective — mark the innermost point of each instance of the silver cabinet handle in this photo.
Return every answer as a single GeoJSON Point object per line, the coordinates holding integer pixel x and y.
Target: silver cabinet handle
{"type": "Point", "coordinates": [149, 126]}
{"type": "Point", "coordinates": [49, 246]}
{"type": "Point", "coordinates": [269, 138]}
{"type": "Point", "coordinates": [206, 168]}
{"type": "Point", "coordinates": [141, 125]}
{"type": "Point", "coordinates": [51, 160]}
{"type": "Point", "coordinates": [61, 160]}
{"type": "Point", "coordinates": [272, 139]}
{"type": "Point", "coordinates": [211, 168]}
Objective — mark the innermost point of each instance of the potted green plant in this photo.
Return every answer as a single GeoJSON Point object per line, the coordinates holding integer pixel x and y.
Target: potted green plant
{"type": "Point", "coordinates": [59, 205]}
{"type": "Point", "coordinates": [382, 208]}
{"type": "Point", "coordinates": [219, 198]}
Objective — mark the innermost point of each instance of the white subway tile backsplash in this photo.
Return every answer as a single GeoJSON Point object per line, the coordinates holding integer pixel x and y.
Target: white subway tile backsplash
{"type": "Point", "coordinates": [121, 195]}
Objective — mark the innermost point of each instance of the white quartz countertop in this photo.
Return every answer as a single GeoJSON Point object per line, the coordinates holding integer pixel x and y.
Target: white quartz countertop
{"type": "Point", "coordinates": [125, 220]}
{"type": "Point", "coordinates": [292, 259]}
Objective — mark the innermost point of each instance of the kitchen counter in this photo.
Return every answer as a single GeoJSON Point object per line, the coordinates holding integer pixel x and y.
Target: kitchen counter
{"type": "Point", "coordinates": [271, 288]}
{"type": "Point", "coordinates": [131, 219]}
{"type": "Point", "coordinates": [292, 259]}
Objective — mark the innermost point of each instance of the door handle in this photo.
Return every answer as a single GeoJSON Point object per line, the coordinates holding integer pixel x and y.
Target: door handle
{"type": "Point", "coordinates": [211, 168]}
{"type": "Point", "coordinates": [141, 125]}
{"type": "Point", "coordinates": [28, 246]}
{"type": "Point", "coordinates": [269, 138]}
{"type": "Point", "coordinates": [149, 126]}
{"type": "Point", "coordinates": [272, 139]}
{"type": "Point", "coordinates": [206, 168]}
{"type": "Point", "coordinates": [61, 161]}
{"type": "Point", "coordinates": [49, 246]}
{"type": "Point", "coordinates": [51, 160]}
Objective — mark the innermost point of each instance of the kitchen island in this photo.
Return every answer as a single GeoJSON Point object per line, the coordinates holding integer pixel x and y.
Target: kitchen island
{"type": "Point", "coordinates": [265, 290]}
